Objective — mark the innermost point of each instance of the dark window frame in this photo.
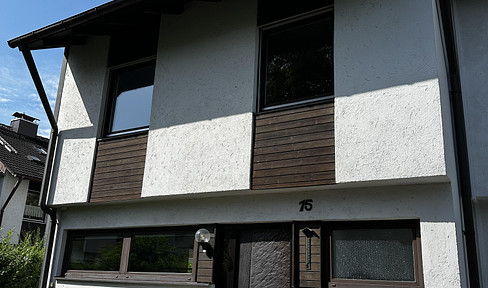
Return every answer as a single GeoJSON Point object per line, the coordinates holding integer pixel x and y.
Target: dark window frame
{"type": "Point", "coordinates": [326, 12]}
{"type": "Point", "coordinates": [123, 274]}
{"type": "Point", "coordinates": [414, 225]}
{"type": "Point", "coordinates": [111, 98]}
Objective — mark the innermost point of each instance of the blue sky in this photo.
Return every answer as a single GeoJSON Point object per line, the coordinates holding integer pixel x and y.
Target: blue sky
{"type": "Point", "coordinates": [17, 91]}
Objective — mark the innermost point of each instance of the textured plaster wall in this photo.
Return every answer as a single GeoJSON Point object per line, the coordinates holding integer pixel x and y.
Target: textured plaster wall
{"type": "Point", "coordinates": [440, 254]}
{"type": "Point", "coordinates": [425, 202]}
{"type": "Point", "coordinates": [201, 120]}
{"type": "Point", "coordinates": [449, 154]}
{"type": "Point", "coordinates": [387, 108]}
{"type": "Point", "coordinates": [14, 212]}
{"type": "Point", "coordinates": [78, 121]}
{"type": "Point", "coordinates": [471, 26]}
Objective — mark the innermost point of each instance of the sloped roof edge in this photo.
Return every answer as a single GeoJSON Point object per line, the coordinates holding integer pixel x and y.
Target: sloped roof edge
{"type": "Point", "coordinates": [70, 22]}
{"type": "Point", "coordinates": [17, 163]}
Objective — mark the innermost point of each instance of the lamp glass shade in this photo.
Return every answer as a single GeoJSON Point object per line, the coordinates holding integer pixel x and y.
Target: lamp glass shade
{"type": "Point", "coordinates": [202, 235]}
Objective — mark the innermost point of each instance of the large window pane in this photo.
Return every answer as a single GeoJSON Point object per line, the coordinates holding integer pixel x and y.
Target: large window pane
{"type": "Point", "coordinates": [299, 62]}
{"type": "Point", "coordinates": [133, 97]}
{"type": "Point", "coordinates": [373, 254]}
{"type": "Point", "coordinates": [95, 253]}
{"type": "Point", "coordinates": [162, 253]}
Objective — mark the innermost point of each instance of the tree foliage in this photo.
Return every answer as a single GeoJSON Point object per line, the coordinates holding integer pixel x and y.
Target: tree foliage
{"type": "Point", "coordinates": [20, 264]}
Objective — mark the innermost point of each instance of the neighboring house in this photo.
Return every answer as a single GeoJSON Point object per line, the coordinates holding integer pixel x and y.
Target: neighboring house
{"type": "Point", "coordinates": [316, 141]}
{"type": "Point", "coordinates": [22, 157]}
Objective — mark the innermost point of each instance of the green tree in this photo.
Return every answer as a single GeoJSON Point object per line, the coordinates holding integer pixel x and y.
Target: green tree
{"type": "Point", "coordinates": [20, 264]}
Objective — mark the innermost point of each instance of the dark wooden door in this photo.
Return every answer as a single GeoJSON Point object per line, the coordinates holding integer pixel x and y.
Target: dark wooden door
{"type": "Point", "coordinates": [256, 258]}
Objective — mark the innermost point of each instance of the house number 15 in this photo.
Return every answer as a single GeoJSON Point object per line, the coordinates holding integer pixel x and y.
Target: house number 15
{"type": "Point", "coordinates": [306, 205]}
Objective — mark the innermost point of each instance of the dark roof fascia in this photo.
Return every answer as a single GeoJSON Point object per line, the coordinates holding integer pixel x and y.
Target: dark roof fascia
{"type": "Point", "coordinates": [70, 22]}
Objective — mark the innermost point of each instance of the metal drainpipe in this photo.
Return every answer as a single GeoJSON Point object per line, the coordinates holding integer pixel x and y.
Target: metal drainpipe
{"type": "Point", "coordinates": [17, 184]}
{"type": "Point", "coordinates": [460, 142]}
{"type": "Point", "coordinates": [49, 161]}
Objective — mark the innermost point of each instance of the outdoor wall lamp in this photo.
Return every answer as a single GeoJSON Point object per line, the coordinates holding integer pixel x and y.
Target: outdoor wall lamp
{"type": "Point", "coordinates": [202, 236]}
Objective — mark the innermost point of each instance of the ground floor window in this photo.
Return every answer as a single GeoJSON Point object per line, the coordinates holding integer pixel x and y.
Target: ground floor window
{"type": "Point", "coordinates": [159, 253]}
{"type": "Point", "coordinates": [374, 253]}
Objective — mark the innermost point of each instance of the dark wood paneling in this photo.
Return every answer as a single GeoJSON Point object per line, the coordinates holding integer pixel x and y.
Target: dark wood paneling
{"type": "Point", "coordinates": [309, 277]}
{"type": "Point", "coordinates": [119, 169]}
{"type": "Point", "coordinates": [294, 148]}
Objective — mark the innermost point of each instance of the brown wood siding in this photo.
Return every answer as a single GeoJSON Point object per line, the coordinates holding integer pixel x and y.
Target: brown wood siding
{"type": "Point", "coordinates": [119, 169]}
{"type": "Point", "coordinates": [205, 260]}
{"type": "Point", "coordinates": [294, 148]}
{"type": "Point", "coordinates": [309, 278]}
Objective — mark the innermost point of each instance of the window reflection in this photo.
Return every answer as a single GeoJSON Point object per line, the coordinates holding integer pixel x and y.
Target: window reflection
{"type": "Point", "coordinates": [299, 62]}
{"type": "Point", "coordinates": [132, 97]}
{"type": "Point", "coordinates": [96, 253]}
{"type": "Point", "coordinates": [162, 253]}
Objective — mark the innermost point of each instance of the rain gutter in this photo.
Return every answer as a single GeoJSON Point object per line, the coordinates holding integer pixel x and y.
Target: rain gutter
{"type": "Point", "coordinates": [460, 142]}
{"type": "Point", "coordinates": [51, 211]}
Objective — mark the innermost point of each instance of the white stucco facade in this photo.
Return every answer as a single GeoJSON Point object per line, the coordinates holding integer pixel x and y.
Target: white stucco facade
{"type": "Point", "coordinates": [14, 211]}
{"type": "Point", "coordinates": [215, 158]}
{"type": "Point", "coordinates": [424, 202]}
{"type": "Point", "coordinates": [201, 121]}
{"type": "Point", "coordinates": [387, 107]}
{"type": "Point", "coordinates": [78, 122]}
{"type": "Point", "coordinates": [388, 120]}
{"type": "Point", "coordinates": [393, 139]}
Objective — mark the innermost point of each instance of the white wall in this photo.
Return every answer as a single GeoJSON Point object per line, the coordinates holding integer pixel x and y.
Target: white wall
{"type": "Point", "coordinates": [78, 121]}
{"type": "Point", "coordinates": [388, 121]}
{"type": "Point", "coordinates": [387, 108]}
{"type": "Point", "coordinates": [14, 212]}
{"type": "Point", "coordinates": [201, 121]}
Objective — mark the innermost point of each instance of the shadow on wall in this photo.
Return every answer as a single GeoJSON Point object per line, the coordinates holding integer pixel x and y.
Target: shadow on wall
{"type": "Point", "coordinates": [426, 202]}
{"type": "Point", "coordinates": [206, 64]}
{"type": "Point", "coordinates": [83, 90]}
{"type": "Point", "coordinates": [382, 44]}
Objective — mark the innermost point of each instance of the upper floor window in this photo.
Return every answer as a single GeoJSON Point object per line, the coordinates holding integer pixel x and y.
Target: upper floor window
{"type": "Point", "coordinates": [130, 98]}
{"type": "Point", "coordinates": [297, 60]}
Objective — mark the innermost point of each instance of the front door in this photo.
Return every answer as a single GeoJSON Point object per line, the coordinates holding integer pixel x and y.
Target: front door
{"type": "Point", "coordinates": [255, 256]}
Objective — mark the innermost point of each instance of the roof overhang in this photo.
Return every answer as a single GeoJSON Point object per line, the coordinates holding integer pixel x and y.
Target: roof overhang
{"type": "Point", "coordinates": [115, 17]}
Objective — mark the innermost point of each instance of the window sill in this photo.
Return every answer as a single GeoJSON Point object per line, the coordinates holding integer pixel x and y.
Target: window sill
{"type": "Point", "coordinates": [291, 106]}
{"type": "Point", "coordinates": [372, 283]}
{"type": "Point", "coordinates": [79, 279]}
{"type": "Point", "coordinates": [122, 135]}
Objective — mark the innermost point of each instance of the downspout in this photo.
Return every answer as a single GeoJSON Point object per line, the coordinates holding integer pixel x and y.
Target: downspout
{"type": "Point", "coordinates": [460, 142]}
{"type": "Point", "coordinates": [17, 184]}
{"type": "Point", "coordinates": [49, 162]}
